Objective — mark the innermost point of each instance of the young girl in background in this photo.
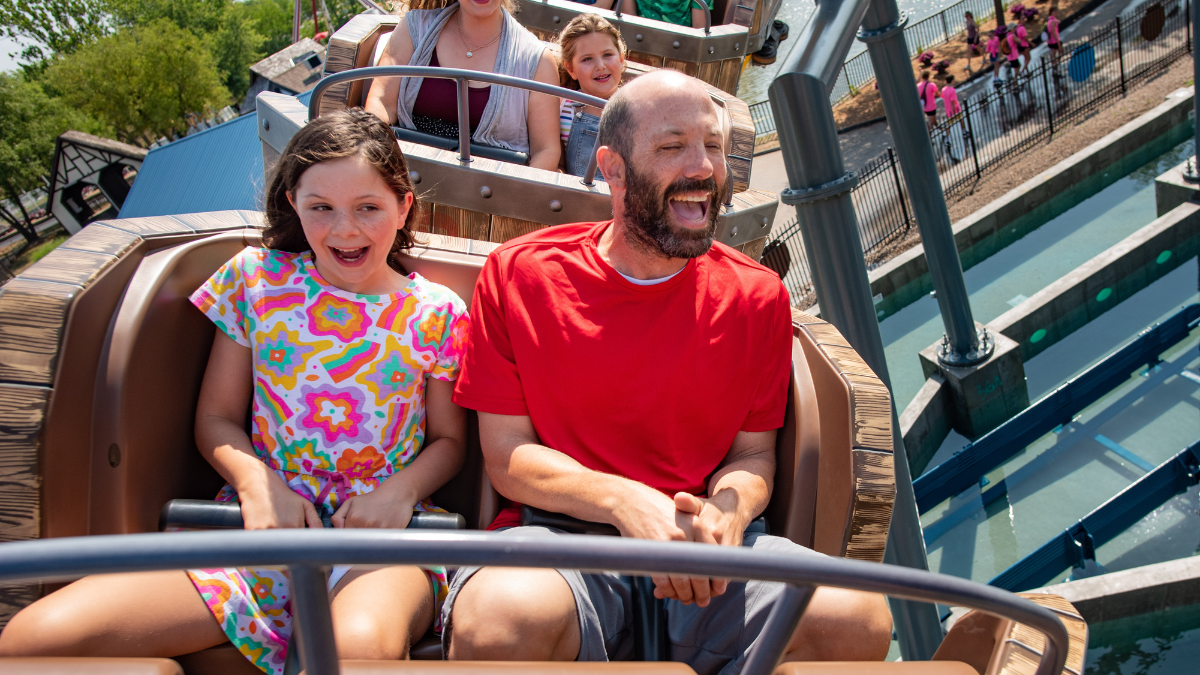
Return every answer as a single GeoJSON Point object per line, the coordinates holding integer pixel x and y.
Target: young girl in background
{"type": "Point", "coordinates": [592, 61]}
{"type": "Point", "coordinates": [972, 39]}
{"type": "Point", "coordinates": [993, 51]}
{"type": "Point", "coordinates": [1052, 39]}
{"type": "Point", "coordinates": [349, 364]}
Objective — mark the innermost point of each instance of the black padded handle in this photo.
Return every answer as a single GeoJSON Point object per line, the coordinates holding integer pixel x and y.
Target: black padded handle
{"type": "Point", "coordinates": [202, 514]}
{"type": "Point", "coordinates": [533, 516]}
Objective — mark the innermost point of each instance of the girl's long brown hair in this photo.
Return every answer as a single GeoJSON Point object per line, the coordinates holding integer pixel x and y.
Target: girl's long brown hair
{"type": "Point", "coordinates": [346, 133]}
{"type": "Point", "coordinates": [403, 6]}
{"type": "Point", "coordinates": [584, 24]}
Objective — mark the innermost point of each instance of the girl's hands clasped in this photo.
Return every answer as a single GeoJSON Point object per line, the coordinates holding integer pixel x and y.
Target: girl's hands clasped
{"type": "Point", "coordinates": [274, 505]}
{"type": "Point", "coordinates": [389, 506]}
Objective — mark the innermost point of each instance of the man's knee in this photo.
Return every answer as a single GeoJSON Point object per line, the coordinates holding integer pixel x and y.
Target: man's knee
{"type": "Point", "coordinates": [514, 615]}
{"type": "Point", "coordinates": [843, 625]}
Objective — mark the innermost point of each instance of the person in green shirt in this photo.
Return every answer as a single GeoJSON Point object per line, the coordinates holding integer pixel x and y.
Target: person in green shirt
{"type": "Point", "coordinates": [678, 12]}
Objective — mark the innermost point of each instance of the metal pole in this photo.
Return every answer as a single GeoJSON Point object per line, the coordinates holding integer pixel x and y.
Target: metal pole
{"type": "Point", "coordinates": [1191, 172]}
{"type": "Point", "coordinates": [312, 620]}
{"type": "Point", "coordinates": [1120, 54]}
{"type": "Point", "coordinates": [899, 186]}
{"type": "Point", "coordinates": [296, 22]}
{"type": "Point", "coordinates": [971, 133]}
{"type": "Point", "coordinates": [884, 35]}
{"type": "Point", "coordinates": [1049, 103]}
{"type": "Point", "coordinates": [820, 191]}
{"type": "Point", "coordinates": [464, 122]}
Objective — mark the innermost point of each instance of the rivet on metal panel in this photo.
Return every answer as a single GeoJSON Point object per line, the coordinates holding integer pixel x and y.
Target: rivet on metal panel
{"type": "Point", "coordinates": [639, 37]}
{"type": "Point", "coordinates": [675, 44]}
{"type": "Point", "coordinates": [737, 46]}
{"type": "Point", "coordinates": [733, 232]}
{"type": "Point", "coordinates": [485, 192]}
{"type": "Point", "coordinates": [555, 19]}
{"type": "Point", "coordinates": [555, 205]}
{"type": "Point", "coordinates": [114, 455]}
{"type": "Point", "coordinates": [764, 222]}
{"type": "Point", "coordinates": [711, 50]}
{"type": "Point", "coordinates": [266, 124]}
{"type": "Point", "coordinates": [415, 176]}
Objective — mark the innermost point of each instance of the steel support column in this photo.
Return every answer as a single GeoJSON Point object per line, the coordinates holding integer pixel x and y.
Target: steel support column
{"type": "Point", "coordinates": [883, 32]}
{"type": "Point", "coordinates": [819, 190]}
{"type": "Point", "coordinates": [1191, 172]}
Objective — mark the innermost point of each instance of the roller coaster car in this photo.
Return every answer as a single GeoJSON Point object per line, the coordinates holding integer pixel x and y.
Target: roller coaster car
{"type": "Point", "coordinates": [101, 360]}
{"type": "Point", "coordinates": [494, 200]}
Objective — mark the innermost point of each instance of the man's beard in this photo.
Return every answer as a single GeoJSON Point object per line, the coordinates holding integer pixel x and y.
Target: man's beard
{"type": "Point", "coordinates": [647, 216]}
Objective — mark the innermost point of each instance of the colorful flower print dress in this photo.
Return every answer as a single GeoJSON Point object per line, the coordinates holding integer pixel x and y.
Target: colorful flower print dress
{"type": "Point", "coordinates": [339, 404]}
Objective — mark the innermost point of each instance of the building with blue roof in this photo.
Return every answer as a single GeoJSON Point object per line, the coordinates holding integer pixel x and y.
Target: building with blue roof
{"type": "Point", "coordinates": [217, 169]}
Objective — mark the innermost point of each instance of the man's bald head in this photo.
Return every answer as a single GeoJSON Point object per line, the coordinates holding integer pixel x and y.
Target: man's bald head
{"type": "Point", "coordinates": [656, 92]}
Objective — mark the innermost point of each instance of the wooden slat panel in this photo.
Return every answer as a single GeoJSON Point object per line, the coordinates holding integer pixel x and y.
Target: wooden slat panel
{"type": "Point", "coordinates": [872, 416]}
{"type": "Point", "coordinates": [22, 410]}
{"type": "Point", "coordinates": [743, 13]}
{"type": "Point", "coordinates": [504, 229]}
{"type": "Point", "coordinates": [685, 67]}
{"type": "Point", "coordinates": [252, 218]}
{"type": "Point", "coordinates": [647, 59]}
{"type": "Point", "coordinates": [154, 225]}
{"type": "Point", "coordinates": [754, 249]}
{"type": "Point", "coordinates": [826, 334]}
{"type": "Point", "coordinates": [731, 74]}
{"type": "Point", "coordinates": [871, 514]}
{"type": "Point", "coordinates": [441, 242]}
{"type": "Point", "coordinates": [32, 315]}
{"type": "Point", "coordinates": [456, 222]}
{"type": "Point", "coordinates": [211, 221]}
{"type": "Point", "coordinates": [1023, 645]}
{"type": "Point", "coordinates": [69, 267]}
{"type": "Point", "coordinates": [710, 73]}
{"type": "Point", "coordinates": [100, 239]}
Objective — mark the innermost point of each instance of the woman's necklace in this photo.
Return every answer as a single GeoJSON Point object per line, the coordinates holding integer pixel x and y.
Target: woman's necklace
{"type": "Point", "coordinates": [463, 36]}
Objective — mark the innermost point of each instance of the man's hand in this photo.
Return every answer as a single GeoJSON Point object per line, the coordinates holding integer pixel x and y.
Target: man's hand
{"type": "Point", "coordinates": [388, 506]}
{"type": "Point", "coordinates": [274, 505]}
{"type": "Point", "coordinates": [713, 522]}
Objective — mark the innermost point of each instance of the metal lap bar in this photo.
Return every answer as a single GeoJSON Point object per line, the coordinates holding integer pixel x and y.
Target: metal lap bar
{"type": "Point", "coordinates": [1077, 543]}
{"type": "Point", "coordinates": [313, 619]}
{"type": "Point", "coordinates": [991, 450]}
{"type": "Point", "coordinates": [460, 76]}
{"type": "Point", "coordinates": [308, 551]}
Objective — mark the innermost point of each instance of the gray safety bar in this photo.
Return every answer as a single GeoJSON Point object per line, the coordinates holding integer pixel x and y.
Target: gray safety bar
{"type": "Point", "coordinates": [461, 76]}
{"type": "Point", "coordinates": [308, 553]}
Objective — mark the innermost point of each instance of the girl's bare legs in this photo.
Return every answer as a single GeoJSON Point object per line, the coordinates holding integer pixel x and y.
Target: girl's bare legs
{"type": "Point", "coordinates": [377, 614]}
{"type": "Point", "coordinates": [148, 614]}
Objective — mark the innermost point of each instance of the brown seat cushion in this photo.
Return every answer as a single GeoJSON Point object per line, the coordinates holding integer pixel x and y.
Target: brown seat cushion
{"type": "Point", "coordinates": [512, 668]}
{"type": "Point", "coordinates": [55, 665]}
{"type": "Point", "coordinates": [224, 659]}
{"type": "Point", "coordinates": [876, 668]}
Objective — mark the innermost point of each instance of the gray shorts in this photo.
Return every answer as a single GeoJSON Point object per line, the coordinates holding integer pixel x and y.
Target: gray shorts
{"type": "Point", "coordinates": [712, 640]}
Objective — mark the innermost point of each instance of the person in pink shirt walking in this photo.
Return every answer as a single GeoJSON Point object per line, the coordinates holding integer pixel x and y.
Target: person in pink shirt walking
{"type": "Point", "coordinates": [1023, 44]}
{"type": "Point", "coordinates": [1052, 39]}
{"type": "Point", "coordinates": [928, 91]}
{"type": "Point", "coordinates": [993, 51]}
{"type": "Point", "coordinates": [954, 117]}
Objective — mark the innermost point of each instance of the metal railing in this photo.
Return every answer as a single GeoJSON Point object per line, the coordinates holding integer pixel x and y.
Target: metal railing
{"type": "Point", "coordinates": [308, 554]}
{"type": "Point", "coordinates": [461, 77]}
{"type": "Point", "coordinates": [999, 125]}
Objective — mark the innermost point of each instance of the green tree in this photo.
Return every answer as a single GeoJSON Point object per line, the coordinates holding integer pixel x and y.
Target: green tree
{"type": "Point", "coordinates": [30, 122]}
{"type": "Point", "coordinates": [62, 26]}
{"type": "Point", "coordinates": [273, 20]}
{"type": "Point", "coordinates": [143, 81]}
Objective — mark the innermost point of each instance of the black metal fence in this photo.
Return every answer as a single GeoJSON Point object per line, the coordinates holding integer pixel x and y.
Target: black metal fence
{"type": "Point", "coordinates": [1022, 112]}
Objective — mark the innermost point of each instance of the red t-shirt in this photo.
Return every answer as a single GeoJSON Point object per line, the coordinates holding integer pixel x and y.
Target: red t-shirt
{"type": "Point", "coordinates": [647, 382]}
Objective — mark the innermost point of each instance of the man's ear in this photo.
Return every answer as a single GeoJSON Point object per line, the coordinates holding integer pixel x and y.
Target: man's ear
{"type": "Point", "coordinates": [612, 166]}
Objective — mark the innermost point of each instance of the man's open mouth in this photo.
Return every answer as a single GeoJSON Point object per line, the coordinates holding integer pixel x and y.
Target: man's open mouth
{"type": "Point", "coordinates": [692, 208]}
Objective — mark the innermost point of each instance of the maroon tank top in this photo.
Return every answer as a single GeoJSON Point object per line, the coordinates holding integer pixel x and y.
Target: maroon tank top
{"type": "Point", "coordinates": [437, 100]}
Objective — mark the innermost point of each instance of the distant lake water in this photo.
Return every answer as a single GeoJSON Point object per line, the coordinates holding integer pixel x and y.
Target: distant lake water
{"type": "Point", "coordinates": [756, 79]}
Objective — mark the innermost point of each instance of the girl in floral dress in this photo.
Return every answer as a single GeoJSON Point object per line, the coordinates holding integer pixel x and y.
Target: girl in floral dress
{"type": "Point", "coordinates": [350, 364]}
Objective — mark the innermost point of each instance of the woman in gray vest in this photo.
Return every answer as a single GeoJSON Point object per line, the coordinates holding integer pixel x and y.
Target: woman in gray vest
{"type": "Point", "coordinates": [478, 35]}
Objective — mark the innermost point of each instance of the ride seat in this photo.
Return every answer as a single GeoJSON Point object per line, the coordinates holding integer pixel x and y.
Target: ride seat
{"type": "Point", "coordinates": [54, 665]}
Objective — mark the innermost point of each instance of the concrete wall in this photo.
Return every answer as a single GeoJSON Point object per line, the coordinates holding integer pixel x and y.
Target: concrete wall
{"type": "Point", "coordinates": [1103, 282]}
{"type": "Point", "coordinates": [905, 278]}
{"type": "Point", "coordinates": [1140, 590]}
{"type": "Point", "coordinates": [925, 423]}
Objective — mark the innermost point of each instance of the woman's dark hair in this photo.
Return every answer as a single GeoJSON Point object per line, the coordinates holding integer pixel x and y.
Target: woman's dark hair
{"type": "Point", "coordinates": [346, 133]}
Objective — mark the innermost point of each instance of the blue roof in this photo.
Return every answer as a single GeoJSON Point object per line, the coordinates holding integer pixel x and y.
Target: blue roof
{"type": "Point", "coordinates": [217, 169]}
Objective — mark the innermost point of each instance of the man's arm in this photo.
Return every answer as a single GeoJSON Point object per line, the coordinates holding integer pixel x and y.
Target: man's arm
{"type": "Point", "coordinates": [523, 469]}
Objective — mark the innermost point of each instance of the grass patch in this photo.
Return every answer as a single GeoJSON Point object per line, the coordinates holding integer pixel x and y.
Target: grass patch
{"type": "Point", "coordinates": [38, 252]}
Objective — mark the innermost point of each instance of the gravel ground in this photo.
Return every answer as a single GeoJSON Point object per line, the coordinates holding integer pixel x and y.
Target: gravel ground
{"type": "Point", "coordinates": [1065, 144]}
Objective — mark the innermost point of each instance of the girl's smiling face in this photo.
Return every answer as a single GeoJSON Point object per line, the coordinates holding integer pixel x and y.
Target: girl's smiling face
{"type": "Point", "coordinates": [597, 65]}
{"type": "Point", "coordinates": [350, 217]}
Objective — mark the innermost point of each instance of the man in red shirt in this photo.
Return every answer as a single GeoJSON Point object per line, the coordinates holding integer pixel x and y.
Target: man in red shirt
{"type": "Point", "coordinates": [635, 373]}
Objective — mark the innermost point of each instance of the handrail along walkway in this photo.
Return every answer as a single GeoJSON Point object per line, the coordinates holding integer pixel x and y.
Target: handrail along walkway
{"type": "Point", "coordinates": [461, 76]}
{"type": "Point", "coordinates": [307, 554]}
